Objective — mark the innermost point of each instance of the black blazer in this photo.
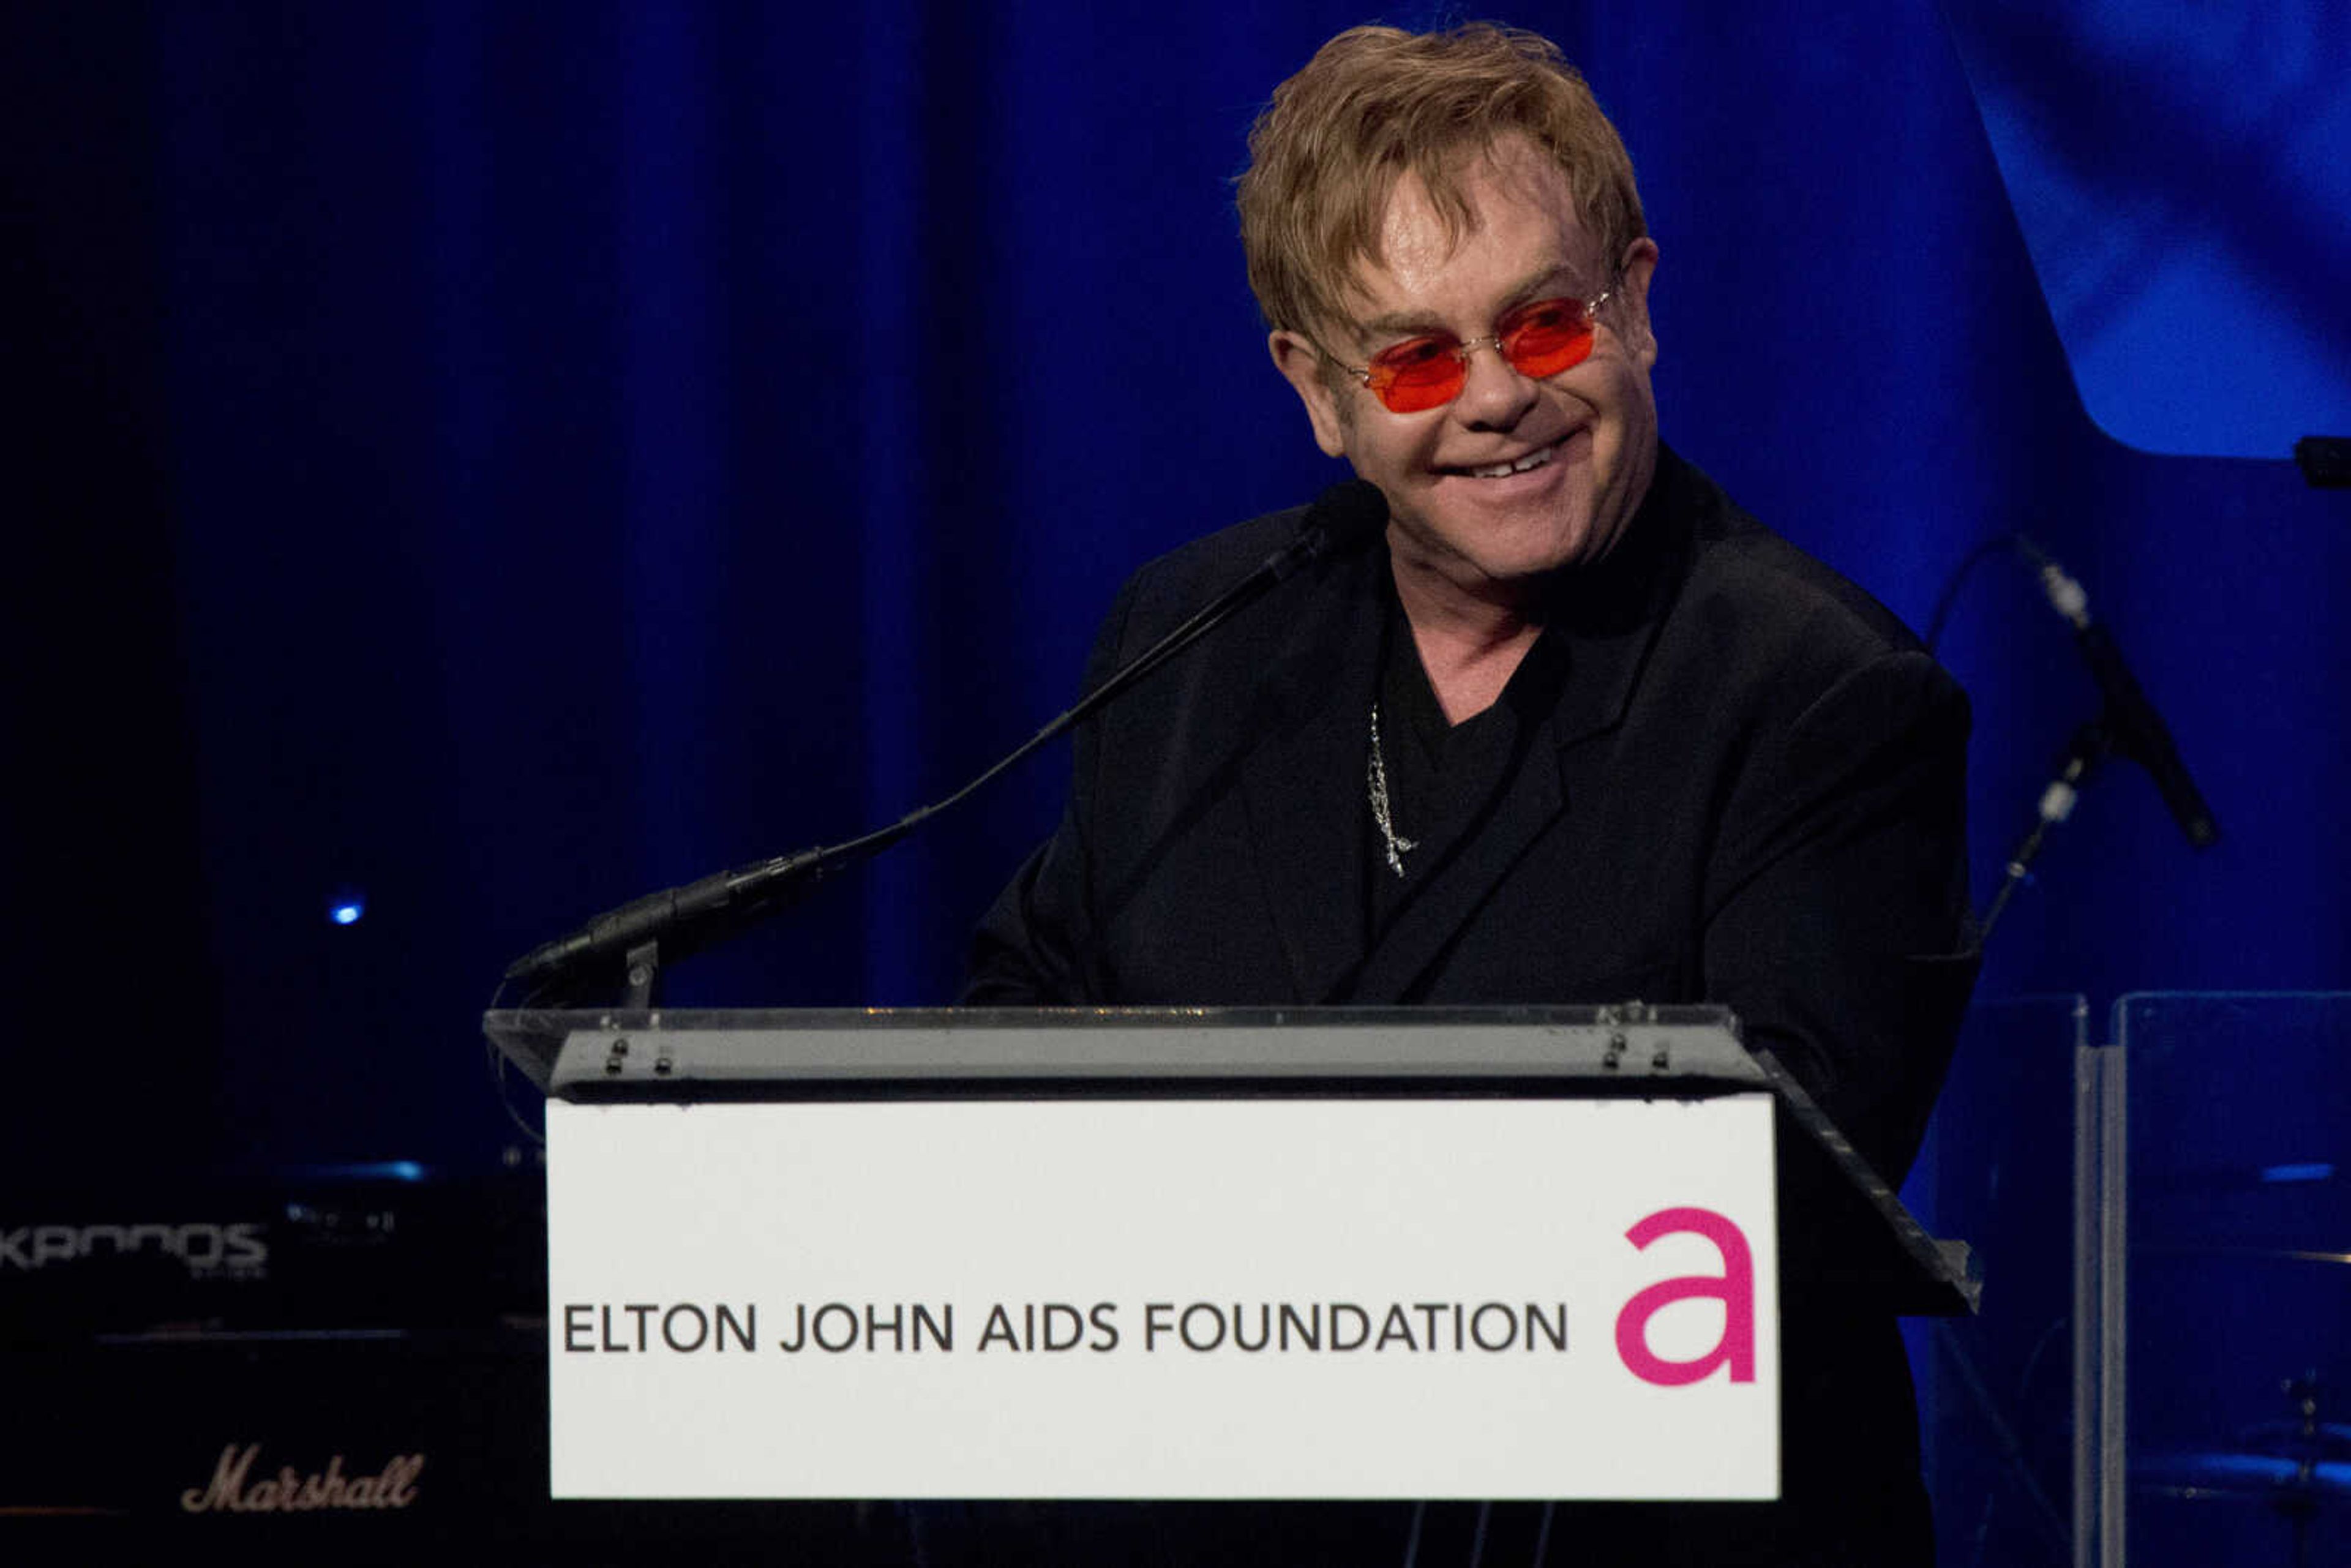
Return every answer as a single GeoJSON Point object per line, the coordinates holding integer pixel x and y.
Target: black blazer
{"type": "Point", "coordinates": [1750, 789]}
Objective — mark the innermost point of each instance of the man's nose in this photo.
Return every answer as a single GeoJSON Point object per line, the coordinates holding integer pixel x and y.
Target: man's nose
{"type": "Point", "coordinates": [1495, 396]}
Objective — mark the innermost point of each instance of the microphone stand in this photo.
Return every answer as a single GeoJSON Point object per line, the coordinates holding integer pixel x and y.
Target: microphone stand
{"type": "Point", "coordinates": [2089, 748]}
{"type": "Point", "coordinates": [682, 919]}
{"type": "Point", "coordinates": [2127, 725]}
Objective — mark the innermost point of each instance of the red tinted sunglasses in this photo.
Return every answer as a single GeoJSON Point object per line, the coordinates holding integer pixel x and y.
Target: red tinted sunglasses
{"type": "Point", "coordinates": [1538, 340]}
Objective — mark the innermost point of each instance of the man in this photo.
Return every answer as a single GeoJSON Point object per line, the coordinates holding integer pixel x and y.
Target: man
{"type": "Point", "coordinates": [1577, 730]}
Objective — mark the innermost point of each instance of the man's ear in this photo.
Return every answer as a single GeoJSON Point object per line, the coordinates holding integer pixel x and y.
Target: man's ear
{"type": "Point", "coordinates": [1640, 267]}
{"type": "Point", "coordinates": [1302, 367]}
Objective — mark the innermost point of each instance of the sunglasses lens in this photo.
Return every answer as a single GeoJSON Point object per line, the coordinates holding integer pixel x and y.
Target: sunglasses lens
{"type": "Point", "coordinates": [1427, 372]}
{"type": "Point", "coordinates": [1548, 336]}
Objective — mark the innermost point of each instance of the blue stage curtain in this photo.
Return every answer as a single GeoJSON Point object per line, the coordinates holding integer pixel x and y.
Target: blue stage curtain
{"type": "Point", "coordinates": [588, 446]}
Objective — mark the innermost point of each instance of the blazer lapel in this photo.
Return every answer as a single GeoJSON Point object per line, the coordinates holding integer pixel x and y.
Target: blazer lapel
{"type": "Point", "coordinates": [1304, 782]}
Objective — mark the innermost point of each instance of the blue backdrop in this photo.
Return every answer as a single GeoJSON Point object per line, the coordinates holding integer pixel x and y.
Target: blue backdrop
{"type": "Point", "coordinates": [487, 462]}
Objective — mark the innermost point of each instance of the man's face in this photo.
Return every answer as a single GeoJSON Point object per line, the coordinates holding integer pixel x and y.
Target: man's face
{"type": "Point", "coordinates": [1465, 512]}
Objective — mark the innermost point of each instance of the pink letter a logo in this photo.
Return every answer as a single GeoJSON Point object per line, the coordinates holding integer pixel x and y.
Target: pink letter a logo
{"type": "Point", "coordinates": [1734, 1287]}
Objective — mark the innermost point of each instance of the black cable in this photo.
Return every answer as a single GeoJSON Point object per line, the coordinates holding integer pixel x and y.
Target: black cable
{"type": "Point", "coordinates": [1948, 598]}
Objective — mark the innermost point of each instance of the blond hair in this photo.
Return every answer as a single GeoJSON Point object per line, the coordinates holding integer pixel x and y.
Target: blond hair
{"type": "Point", "coordinates": [1377, 103]}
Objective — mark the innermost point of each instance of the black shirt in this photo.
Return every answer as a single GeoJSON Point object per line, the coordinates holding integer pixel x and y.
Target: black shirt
{"type": "Point", "coordinates": [1442, 778]}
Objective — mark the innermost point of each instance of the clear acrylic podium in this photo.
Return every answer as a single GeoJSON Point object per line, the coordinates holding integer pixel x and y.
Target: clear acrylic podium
{"type": "Point", "coordinates": [2216, 1280]}
{"type": "Point", "coordinates": [2162, 1194]}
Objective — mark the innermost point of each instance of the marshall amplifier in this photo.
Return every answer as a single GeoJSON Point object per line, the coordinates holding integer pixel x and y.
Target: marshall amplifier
{"type": "Point", "coordinates": [331, 1364]}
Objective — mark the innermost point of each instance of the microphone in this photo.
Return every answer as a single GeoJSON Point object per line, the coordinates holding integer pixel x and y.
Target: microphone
{"type": "Point", "coordinates": [2130, 721]}
{"type": "Point", "coordinates": [1344, 518]}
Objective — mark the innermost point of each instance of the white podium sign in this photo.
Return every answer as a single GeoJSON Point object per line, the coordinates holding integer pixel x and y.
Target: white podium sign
{"type": "Point", "coordinates": [1160, 1298]}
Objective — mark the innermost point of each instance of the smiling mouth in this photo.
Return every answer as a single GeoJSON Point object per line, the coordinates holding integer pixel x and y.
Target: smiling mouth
{"type": "Point", "coordinates": [1532, 460]}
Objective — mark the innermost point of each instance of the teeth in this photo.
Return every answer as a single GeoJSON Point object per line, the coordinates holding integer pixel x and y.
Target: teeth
{"type": "Point", "coordinates": [1504, 470]}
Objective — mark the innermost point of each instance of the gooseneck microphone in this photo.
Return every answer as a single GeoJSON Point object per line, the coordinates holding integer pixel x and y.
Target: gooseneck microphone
{"type": "Point", "coordinates": [1343, 518]}
{"type": "Point", "coordinates": [701, 914]}
{"type": "Point", "coordinates": [2132, 725]}
{"type": "Point", "coordinates": [2128, 726]}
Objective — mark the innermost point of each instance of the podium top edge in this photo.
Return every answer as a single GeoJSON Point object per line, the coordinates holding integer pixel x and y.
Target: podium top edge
{"type": "Point", "coordinates": [565, 1019]}
{"type": "Point", "coordinates": [604, 1051]}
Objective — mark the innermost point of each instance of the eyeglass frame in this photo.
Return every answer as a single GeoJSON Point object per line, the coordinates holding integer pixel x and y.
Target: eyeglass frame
{"type": "Point", "coordinates": [1462, 350]}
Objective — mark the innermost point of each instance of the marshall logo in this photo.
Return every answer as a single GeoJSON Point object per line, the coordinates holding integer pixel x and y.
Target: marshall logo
{"type": "Point", "coordinates": [231, 1490]}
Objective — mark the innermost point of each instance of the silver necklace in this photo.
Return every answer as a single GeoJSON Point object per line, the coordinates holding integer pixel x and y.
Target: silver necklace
{"type": "Point", "coordinates": [1397, 844]}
